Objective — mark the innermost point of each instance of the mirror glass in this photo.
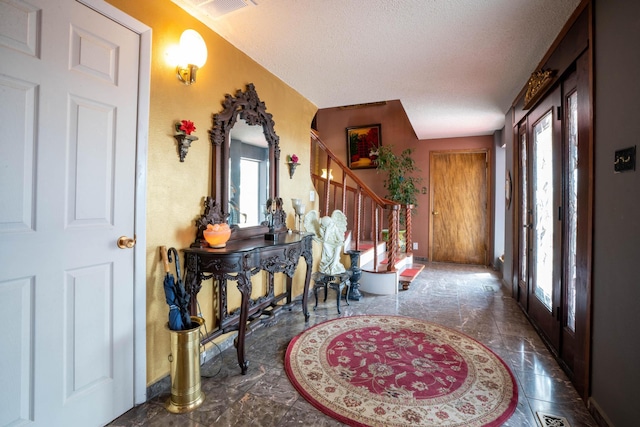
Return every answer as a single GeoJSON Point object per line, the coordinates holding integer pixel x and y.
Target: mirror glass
{"type": "Point", "coordinates": [248, 174]}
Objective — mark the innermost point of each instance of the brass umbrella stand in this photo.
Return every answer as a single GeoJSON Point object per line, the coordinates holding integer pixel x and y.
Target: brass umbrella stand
{"type": "Point", "coordinates": [184, 330]}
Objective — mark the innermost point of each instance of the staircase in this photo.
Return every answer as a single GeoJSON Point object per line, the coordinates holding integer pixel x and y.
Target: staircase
{"type": "Point", "coordinates": [385, 267]}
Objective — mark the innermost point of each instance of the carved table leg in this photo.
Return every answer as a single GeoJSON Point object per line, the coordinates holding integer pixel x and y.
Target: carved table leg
{"type": "Point", "coordinates": [308, 258]}
{"type": "Point", "coordinates": [289, 290]}
{"type": "Point", "coordinates": [244, 286]}
{"type": "Point", "coordinates": [192, 282]}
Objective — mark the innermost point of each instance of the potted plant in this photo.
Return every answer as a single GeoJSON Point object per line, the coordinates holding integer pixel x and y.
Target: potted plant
{"type": "Point", "coordinates": [400, 183]}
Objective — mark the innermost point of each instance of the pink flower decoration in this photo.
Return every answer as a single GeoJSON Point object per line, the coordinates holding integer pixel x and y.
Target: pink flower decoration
{"type": "Point", "coordinates": [294, 158]}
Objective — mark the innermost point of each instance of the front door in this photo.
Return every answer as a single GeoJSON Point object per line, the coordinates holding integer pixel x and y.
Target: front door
{"type": "Point", "coordinates": [69, 85]}
{"type": "Point", "coordinates": [553, 217]}
{"type": "Point", "coordinates": [544, 214]}
{"type": "Point", "coordinates": [459, 216]}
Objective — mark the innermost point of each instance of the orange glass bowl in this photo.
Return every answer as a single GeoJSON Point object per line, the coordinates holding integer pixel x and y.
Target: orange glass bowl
{"type": "Point", "coordinates": [217, 238]}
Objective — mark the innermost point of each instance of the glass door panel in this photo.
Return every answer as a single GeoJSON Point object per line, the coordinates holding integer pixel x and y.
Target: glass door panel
{"type": "Point", "coordinates": [525, 222]}
{"type": "Point", "coordinates": [572, 210]}
{"type": "Point", "coordinates": [543, 208]}
{"type": "Point", "coordinates": [545, 248]}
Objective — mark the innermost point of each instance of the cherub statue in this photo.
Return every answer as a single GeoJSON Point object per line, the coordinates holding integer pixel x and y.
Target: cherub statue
{"type": "Point", "coordinates": [330, 231]}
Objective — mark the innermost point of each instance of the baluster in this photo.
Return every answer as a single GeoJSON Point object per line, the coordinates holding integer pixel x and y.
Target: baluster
{"type": "Point", "coordinates": [408, 234]}
{"type": "Point", "coordinates": [326, 188]}
{"type": "Point", "coordinates": [392, 240]}
{"type": "Point", "coordinates": [356, 212]}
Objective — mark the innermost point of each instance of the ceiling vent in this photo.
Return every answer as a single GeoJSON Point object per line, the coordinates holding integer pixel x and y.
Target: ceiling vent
{"type": "Point", "coordinates": [218, 8]}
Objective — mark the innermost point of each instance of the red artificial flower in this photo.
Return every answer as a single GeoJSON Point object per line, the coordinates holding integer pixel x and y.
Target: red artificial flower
{"type": "Point", "coordinates": [187, 127]}
{"type": "Point", "coordinates": [294, 158]}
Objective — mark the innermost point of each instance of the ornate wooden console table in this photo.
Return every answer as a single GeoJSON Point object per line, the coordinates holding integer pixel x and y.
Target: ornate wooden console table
{"type": "Point", "coordinates": [239, 261]}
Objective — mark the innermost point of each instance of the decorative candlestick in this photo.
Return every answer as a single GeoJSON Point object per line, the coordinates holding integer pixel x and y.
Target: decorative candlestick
{"type": "Point", "coordinates": [356, 273]}
{"type": "Point", "coordinates": [299, 209]}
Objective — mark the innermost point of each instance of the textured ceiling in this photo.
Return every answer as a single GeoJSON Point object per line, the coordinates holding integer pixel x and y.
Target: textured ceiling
{"type": "Point", "coordinates": [456, 65]}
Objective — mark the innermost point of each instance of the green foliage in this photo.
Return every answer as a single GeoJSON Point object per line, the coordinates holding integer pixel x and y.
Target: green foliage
{"type": "Point", "coordinates": [400, 183]}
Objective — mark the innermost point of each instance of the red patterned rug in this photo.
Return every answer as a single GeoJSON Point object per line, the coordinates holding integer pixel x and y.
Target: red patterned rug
{"type": "Point", "coordinates": [399, 371]}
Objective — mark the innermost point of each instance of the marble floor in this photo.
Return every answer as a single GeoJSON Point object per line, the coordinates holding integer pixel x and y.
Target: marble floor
{"type": "Point", "coordinates": [466, 298]}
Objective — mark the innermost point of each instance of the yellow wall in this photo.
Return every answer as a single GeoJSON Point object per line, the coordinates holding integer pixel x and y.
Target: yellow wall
{"type": "Point", "coordinates": [175, 190]}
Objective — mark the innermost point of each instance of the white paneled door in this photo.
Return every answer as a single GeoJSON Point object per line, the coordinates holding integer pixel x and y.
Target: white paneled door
{"type": "Point", "coordinates": [68, 111]}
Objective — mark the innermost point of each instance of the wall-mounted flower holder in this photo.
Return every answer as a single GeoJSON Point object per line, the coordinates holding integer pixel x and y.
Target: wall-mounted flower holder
{"type": "Point", "coordinates": [184, 142]}
{"type": "Point", "coordinates": [292, 162]}
{"type": "Point", "coordinates": [292, 168]}
{"type": "Point", "coordinates": [184, 137]}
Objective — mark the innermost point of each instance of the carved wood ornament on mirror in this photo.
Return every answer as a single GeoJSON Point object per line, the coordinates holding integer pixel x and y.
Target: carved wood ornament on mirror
{"type": "Point", "coordinates": [247, 106]}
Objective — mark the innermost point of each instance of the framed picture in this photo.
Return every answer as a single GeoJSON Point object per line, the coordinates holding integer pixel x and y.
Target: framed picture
{"type": "Point", "coordinates": [362, 146]}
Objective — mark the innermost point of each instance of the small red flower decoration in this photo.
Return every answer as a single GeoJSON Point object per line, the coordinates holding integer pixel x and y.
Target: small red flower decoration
{"type": "Point", "coordinates": [185, 126]}
{"type": "Point", "coordinates": [294, 158]}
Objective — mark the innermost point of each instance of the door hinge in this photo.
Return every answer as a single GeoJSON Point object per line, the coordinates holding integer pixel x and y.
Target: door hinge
{"type": "Point", "coordinates": [559, 110]}
{"type": "Point", "coordinates": [559, 213]}
{"type": "Point", "coordinates": [558, 313]}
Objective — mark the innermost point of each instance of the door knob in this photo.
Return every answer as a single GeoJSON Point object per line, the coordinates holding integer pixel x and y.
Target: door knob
{"type": "Point", "coordinates": [435, 212]}
{"type": "Point", "coordinates": [125, 242]}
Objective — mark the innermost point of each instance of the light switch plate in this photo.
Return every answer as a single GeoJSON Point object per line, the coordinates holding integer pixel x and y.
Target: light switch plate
{"type": "Point", "coordinates": [312, 196]}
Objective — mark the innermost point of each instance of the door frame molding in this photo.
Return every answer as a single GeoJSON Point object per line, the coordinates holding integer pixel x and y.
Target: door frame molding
{"type": "Point", "coordinates": [140, 206]}
{"type": "Point", "coordinates": [573, 47]}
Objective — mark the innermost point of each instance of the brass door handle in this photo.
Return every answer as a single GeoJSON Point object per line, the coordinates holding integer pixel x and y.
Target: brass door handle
{"type": "Point", "coordinates": [125, 242]}
{"type": "Point", "coordinates": [435, 213]}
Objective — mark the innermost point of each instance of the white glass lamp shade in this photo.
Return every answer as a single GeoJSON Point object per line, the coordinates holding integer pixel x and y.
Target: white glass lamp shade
{"type": "Point", "coordinates": [193, 49]}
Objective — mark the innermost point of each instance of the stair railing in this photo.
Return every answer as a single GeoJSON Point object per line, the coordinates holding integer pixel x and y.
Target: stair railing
{"type": "Point", "coordinates": [364, 209]}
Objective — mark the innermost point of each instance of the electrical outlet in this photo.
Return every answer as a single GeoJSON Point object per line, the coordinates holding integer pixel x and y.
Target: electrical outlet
{"type": "Point", "coordinates": [415, 245]}
{"type": "Point", "coordinates": [312, 196]}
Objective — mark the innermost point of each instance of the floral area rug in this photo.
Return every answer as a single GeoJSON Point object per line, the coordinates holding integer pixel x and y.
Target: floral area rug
{"type": "Point", "coordinates": [399, 371]}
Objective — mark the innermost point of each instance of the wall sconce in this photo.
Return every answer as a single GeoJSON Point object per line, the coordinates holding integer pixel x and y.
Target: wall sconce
{"type": "Point", "coordinates": [190, 55]}
{"type": "Point", "coordinates": [324, 174]}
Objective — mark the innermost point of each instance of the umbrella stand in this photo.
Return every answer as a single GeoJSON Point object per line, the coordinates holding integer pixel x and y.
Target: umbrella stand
{"type": "Point", "coordinates": [186, 393]}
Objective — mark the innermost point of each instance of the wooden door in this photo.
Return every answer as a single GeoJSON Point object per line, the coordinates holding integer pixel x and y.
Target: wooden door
{"type": "Point", "coordinates": [69, 84]}
{"type": "Point", "coordinates": [544, 204]}
{"type": "Point", "coordinates": [553, 218]}
{"type": "Point", "coordinates": [459, 207]}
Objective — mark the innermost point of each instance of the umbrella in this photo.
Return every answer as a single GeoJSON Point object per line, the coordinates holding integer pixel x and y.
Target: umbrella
{"type": "Point", "coordinates": [175, 318]}
{"type": "Point", "coordinates": [182, 297]}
